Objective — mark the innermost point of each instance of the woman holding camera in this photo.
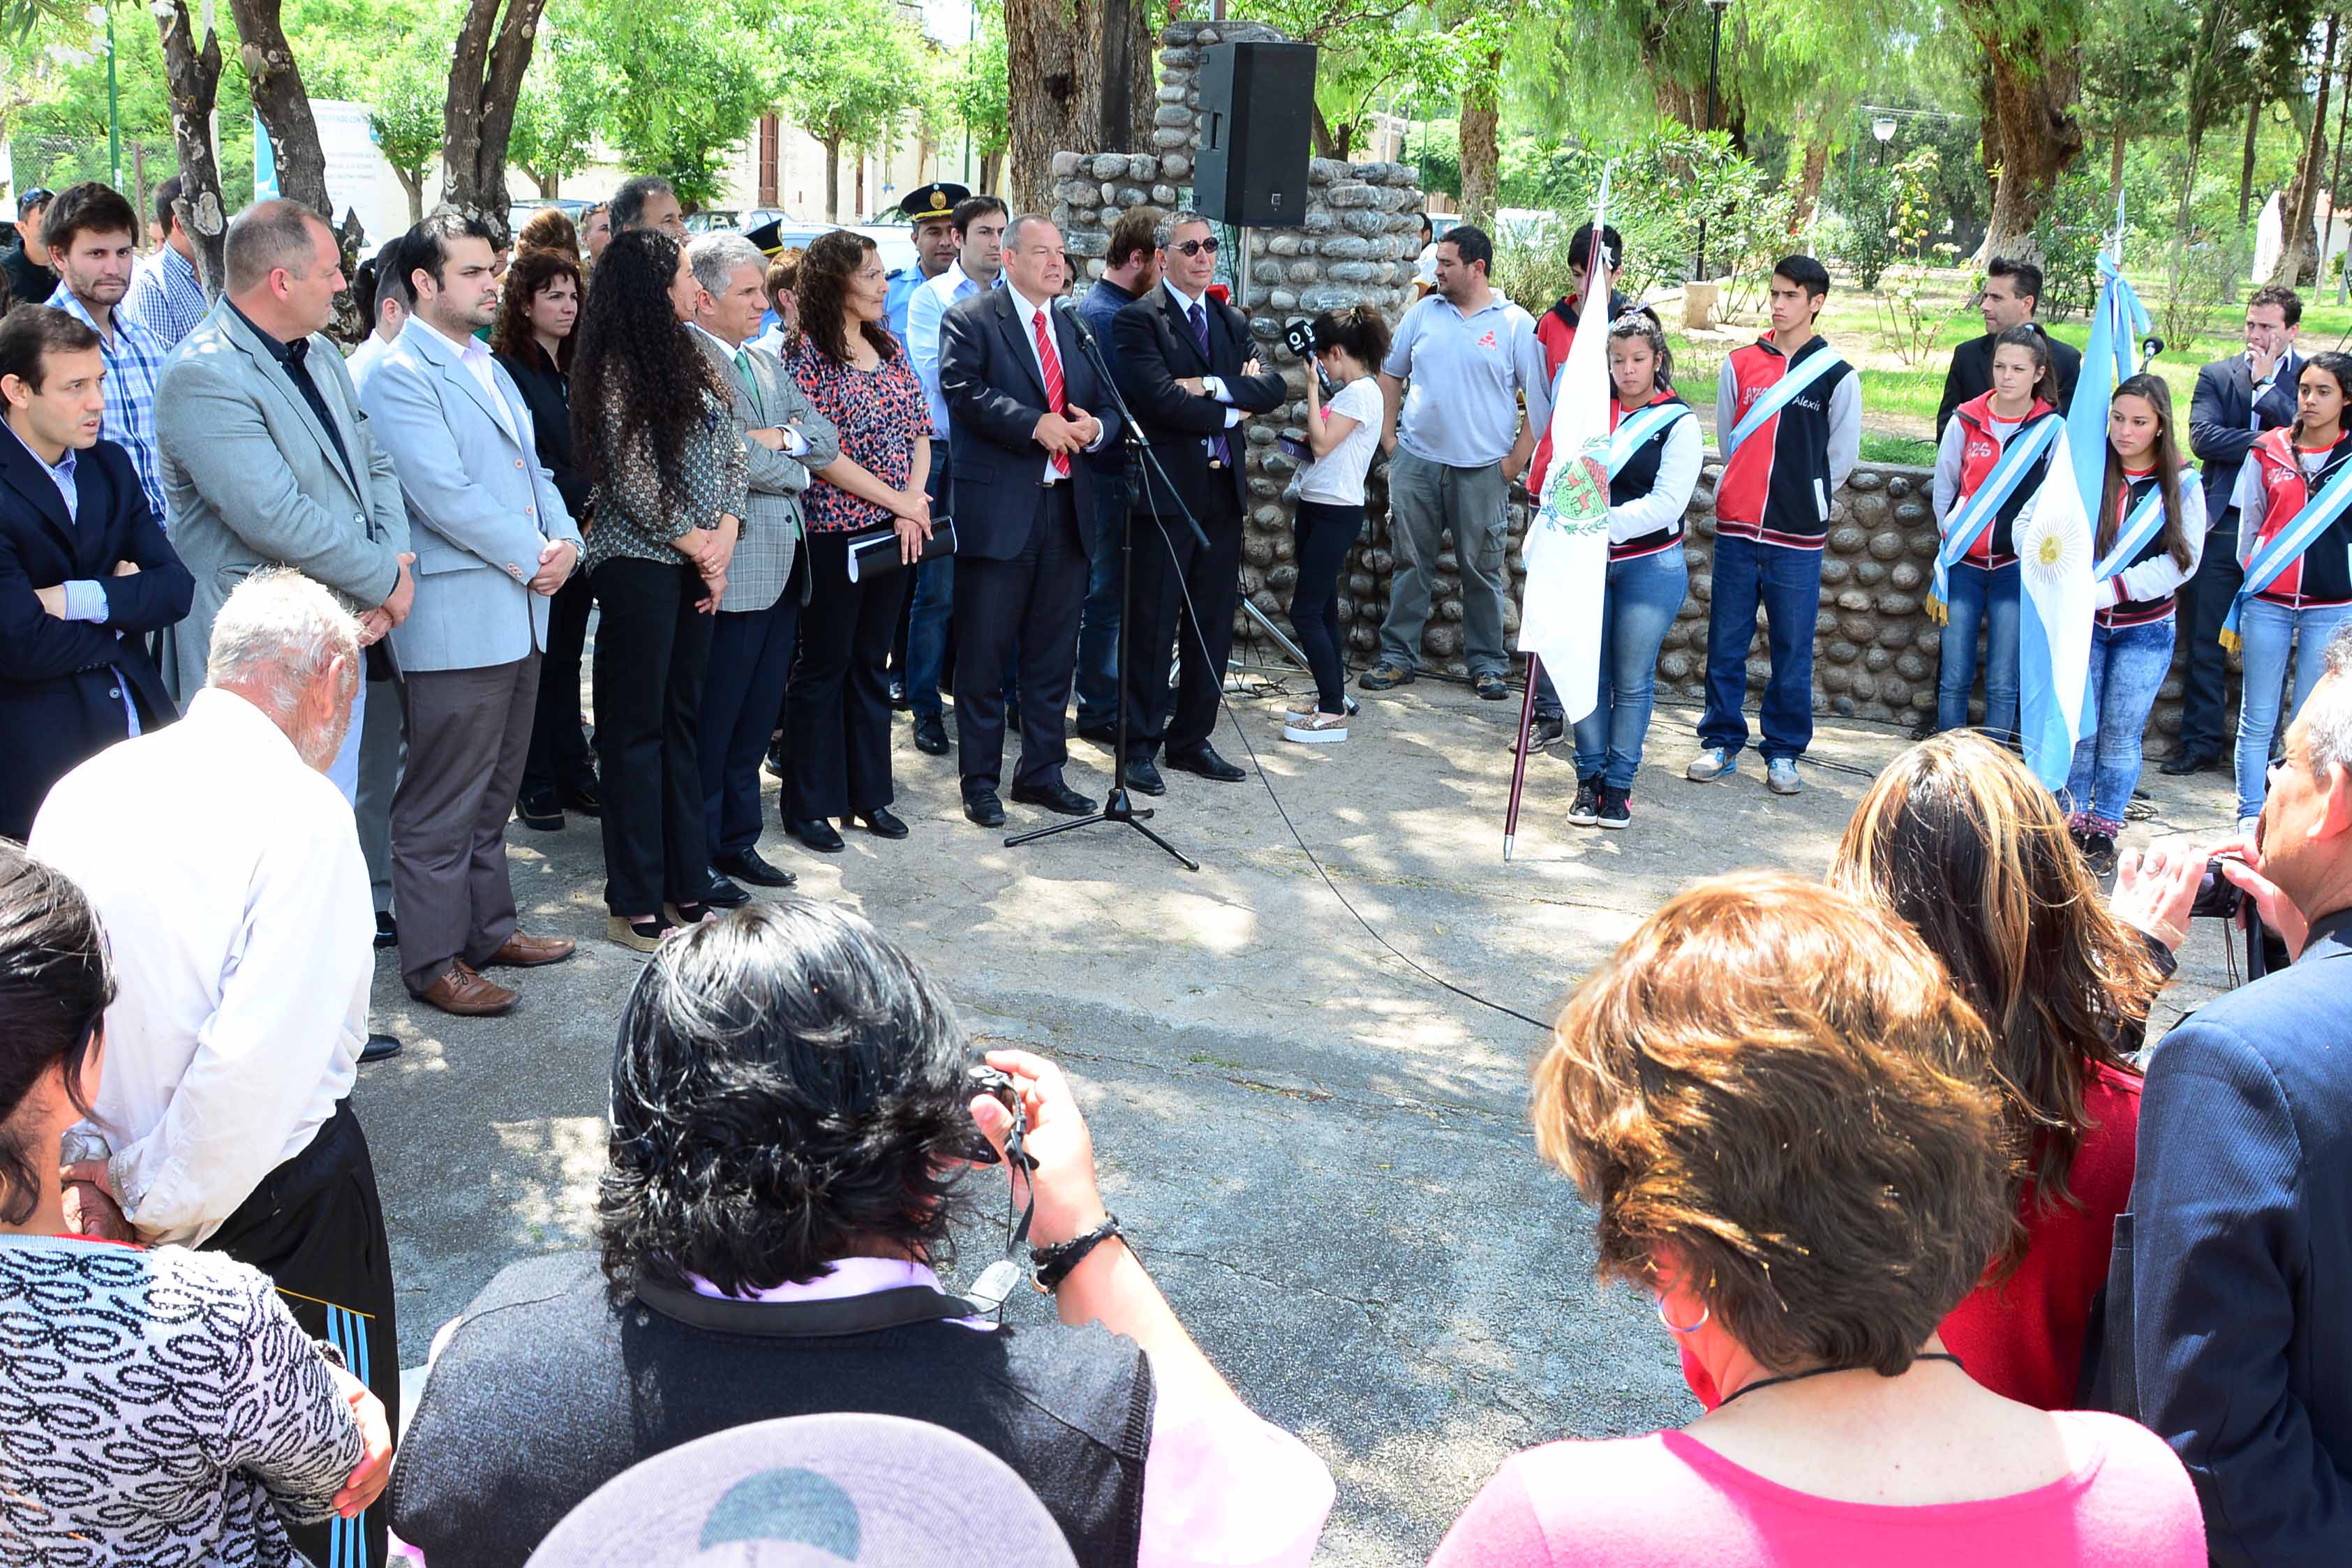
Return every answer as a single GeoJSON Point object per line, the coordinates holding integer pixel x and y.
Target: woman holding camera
{"type": "Point", "coordinates": [2151, 530]}
{"type": "Point", "coordinates": [1654, 456]}
{"type": "Point", "coordinates": [1780, 1107]}
{"type": "Point", "coordinates": [1344, 436]}
{"type": "Point", "coordinates": [2298, 586]}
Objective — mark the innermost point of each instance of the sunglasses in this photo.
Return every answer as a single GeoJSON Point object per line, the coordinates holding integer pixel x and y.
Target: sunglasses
{"type": "Point", "coordinates": [1197, 246]}
{"type": "Point", "coordinates": [39, 196]}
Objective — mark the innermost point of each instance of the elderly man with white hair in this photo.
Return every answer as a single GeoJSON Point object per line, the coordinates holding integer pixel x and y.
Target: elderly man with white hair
{"type": "Point", "coordinates": [236, 903]}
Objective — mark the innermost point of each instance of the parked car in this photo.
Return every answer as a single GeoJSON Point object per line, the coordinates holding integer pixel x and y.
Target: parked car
{"type": "Point", "coordinates": [519, 213]}
{"type": "Point", "coordinates": [733, 220]}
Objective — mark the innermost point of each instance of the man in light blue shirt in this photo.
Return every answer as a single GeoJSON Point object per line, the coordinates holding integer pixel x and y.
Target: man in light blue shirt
{"type": "Point", "coordinates": [166, 297]}
{"type": "Point", "coordinates": [930, 217]}
{"type": "Point", "coordinates": [91, 231]}
{"type": "Point", "coordinates": [1472, 356]}
{"type": "Point", "coordinates": [979, 223]}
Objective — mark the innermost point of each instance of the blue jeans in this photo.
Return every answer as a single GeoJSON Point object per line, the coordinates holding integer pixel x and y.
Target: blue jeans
{"type": "Point", "coordinates": [1097, 682]}
{"type": "Point", "coordinates": [1643, 595]}
{"type": "Point", "coordinates": [1788, 584]}
{"type": "Point", "coordinates": [1984, 598]}
{"type": "Point", "coordinates": [927, 620]}
{"type": "Point", "coordinates": [2127, 664]}
{"type": "Point", "coordinates": [2267, 630]}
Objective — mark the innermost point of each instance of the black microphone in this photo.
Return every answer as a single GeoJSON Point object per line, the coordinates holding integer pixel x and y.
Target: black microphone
{"type": "Point", "coordinates": [1068, 312]}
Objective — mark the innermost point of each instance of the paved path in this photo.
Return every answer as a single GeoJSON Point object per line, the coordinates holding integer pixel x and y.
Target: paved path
{"type": "Point", "coordinates": [1324, 1158]}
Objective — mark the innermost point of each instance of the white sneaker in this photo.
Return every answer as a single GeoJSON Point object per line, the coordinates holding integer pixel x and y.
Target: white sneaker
{"type": "Point", "coordinates": [1780, 776]}
{"type": "Point", "coordinates": [1307, 705]}
{"type": "Point", "coordinates": [2249, 826]}
{"type": "Point", "coordinates": [1715, 762]}
{"type": "Point", "coordinates": [1314, 728]}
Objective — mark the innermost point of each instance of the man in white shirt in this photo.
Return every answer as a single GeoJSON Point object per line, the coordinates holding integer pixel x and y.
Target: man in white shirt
{"type": "Point", "coordinates": [494, 541]}
{"type": "Point", "coordinates": [979, 266]}
{"type": "Point", "coordinates": [235, 905]}
{"type": "Point", "coordinates": [389, 306]}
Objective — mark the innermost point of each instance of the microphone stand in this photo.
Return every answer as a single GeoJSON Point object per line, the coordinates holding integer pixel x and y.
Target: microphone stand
{"type": "Point", "coordinates": [1118, 807]}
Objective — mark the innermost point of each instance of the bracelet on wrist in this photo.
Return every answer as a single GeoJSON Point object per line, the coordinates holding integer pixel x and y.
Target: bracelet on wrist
{"type": "Point", "coordinates": [1056, 1263]}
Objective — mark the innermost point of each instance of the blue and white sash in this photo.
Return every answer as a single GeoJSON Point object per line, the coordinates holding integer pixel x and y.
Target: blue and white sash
{"type": "Point", "coordinates": [2286, 547]}
{"type": "Point", "coordinates": [1778, 395]}
{"type": "Point", "coordinates": [1982, 508]}
{"type": "Point", "coordinates": [2147, 520]}
{"type": "Point", "coordinates": [1630, 433]}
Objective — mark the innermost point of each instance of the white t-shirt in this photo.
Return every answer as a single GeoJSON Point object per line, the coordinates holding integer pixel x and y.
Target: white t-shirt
{"type": "Point", "coordinates": [1425, 268]}
{"type": "Point", "coordinates": [1337, 478]}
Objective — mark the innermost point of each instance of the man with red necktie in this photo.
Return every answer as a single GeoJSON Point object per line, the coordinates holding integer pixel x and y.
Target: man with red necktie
{"type": "Point", "coordinates": [1023, 400]}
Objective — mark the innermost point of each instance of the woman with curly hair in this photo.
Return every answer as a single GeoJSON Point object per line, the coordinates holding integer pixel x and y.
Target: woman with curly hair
{"type": "Point", "coordinates": [651, 424]}
{"type": "Point", "coordinates": [838, 710]}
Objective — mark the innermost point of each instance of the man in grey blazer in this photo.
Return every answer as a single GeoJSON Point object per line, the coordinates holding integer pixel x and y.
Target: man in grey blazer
{"type": "Point", "coordinates": [494, 541]}
{"type": "Point", "coordinates": [267, 459]}
{"type": "Point", "coordinates": [759, 616]}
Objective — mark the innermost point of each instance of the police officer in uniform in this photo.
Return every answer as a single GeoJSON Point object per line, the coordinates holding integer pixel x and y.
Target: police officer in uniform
{"type": "Point", "coordinates": [929, 209]}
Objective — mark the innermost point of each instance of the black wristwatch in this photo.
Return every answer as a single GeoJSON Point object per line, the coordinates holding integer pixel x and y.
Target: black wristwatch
{"type": "Point", "coordinates": [1053, 1264]}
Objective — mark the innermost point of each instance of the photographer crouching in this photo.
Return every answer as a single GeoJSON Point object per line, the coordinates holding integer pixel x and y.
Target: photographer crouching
{"type": "Point", "coordinates": [795, 1128]}
{"type": "Point", "coordinates": [2232, 1271]}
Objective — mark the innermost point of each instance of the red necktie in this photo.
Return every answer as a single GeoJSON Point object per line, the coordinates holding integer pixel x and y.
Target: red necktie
{"type": "Point", "coordinates": [1053, 363]}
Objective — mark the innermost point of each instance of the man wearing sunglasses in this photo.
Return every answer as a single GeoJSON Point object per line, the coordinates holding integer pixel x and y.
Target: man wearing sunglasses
{"type": "Point", "coordinates": [31, 279]}
{"type": "Point", "coordinates": [1185, 365]}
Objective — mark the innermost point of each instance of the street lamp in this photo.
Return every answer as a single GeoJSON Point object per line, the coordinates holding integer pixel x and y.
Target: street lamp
{"type": "Point", "coordinates": [1883, 127]}
{"type": "Point", "coordinates": [1716, 8]}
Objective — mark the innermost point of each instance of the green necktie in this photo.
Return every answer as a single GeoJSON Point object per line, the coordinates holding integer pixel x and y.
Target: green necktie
{"type": "Point", "coordinates": [752, 385]}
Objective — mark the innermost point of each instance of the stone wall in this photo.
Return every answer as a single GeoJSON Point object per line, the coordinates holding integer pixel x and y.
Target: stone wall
{"type": "Point", "coordinates": [1875, 650]}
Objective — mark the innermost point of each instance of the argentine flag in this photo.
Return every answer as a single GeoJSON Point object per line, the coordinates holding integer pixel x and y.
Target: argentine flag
{"type": "Point", "coordinates": [1567, 543]}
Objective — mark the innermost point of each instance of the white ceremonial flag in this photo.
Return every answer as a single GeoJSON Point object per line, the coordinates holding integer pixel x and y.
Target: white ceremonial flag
{"type": "Point", "coordinates": [2056, 571]}
{"type": "Point", "coordinates": [1567, 543]}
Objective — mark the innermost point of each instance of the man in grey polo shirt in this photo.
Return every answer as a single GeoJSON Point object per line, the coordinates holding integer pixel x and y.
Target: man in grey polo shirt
{"type": "Point", "coordinates": [1471, 354]}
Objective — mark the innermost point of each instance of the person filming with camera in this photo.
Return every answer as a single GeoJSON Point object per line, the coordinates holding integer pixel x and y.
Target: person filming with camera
{"type": "Point", "coordinates": [2232, 1268]}
{"type": "Point", "coordinates": [1342, 437]}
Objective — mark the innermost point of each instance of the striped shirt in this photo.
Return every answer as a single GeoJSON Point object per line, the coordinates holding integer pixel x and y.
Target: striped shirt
{"type": "Point", "coordinates": [165, 298]}
{"type": "Point", "coordinates": [134, 363]}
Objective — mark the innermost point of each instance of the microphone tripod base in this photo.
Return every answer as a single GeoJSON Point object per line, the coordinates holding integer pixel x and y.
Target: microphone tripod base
{"type": "Point", "coordinates": [1119, 808]}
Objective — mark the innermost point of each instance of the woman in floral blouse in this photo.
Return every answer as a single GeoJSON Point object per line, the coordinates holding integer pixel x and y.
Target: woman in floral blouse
{"type": "Point", "coordinates": [650, 423]}
{"type": "Point", "coordinates": [839, 707]}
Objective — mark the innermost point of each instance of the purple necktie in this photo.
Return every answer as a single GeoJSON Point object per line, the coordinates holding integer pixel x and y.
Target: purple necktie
{"type": "Point", "coordinates": [1217, 447]}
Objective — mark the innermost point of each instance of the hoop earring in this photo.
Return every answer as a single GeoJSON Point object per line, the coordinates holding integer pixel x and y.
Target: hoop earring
{"type": "Point", "coordinates": [1705, 1312]}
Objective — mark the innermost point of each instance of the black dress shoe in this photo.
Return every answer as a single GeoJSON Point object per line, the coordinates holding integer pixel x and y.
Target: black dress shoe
{"type": "Point", "coordinates": [1143, 778]}
{"type": "Point", "coordinates": [387, 930]}
{"type": "Point", "coordinates": [1054, 797]}
{"type": "Point", "coordinates": [1205, 762]}
{"type": "Point", "coordinates": [2186, 762]}
{"type": "Point", "coordinates": [930, 735]}
{"type": "Point", "coordinates": [724, 895]}
{"type": "Point", "coordinates": [542, 813]}
{"type": "Point", "coordinates": [982, 809]}
{"type": "Point", "coordinates": [880, 823]}
{"type": "Point", "coordinates": [748, 866]}
{"type": "Point", "coordinates": [1101, 734]}
{"type": "Point", "coordinates": [816, 833]}
{"type": "Point", "coordinates": [582, 798]}
{"type": "Point", "coordinates": [380, 1048]}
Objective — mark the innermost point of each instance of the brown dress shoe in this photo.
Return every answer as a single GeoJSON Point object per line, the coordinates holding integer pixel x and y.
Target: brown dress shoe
{"type": "Point", "coordinates": [522, 952]}
{"type": "Point", "coordinates": [465, 994]}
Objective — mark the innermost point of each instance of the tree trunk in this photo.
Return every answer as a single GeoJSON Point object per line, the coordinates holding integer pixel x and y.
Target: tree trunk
{"type": "Point", "coordinates": [2115, 163]}
{"type": "Point", "coordinates": [2027, 90]}
{"type": "Point", "coordinates": [1810, 177]}
{"type": "Point", "coordinates": [549, 185]}
{"type": "Point", "coordinates": [2302, 197]}
{"type": "Point", "coordinates": [2200, 104]}
{"type": "Point", "coordinates": [284, 106]}
{"type": "Point", "coordinates": [2246, 165]}
{"type": "Point", "coordinates": [193, 78]}
{"type": "Point", "coordinates": [1481, 152]}
{"type": "Point", "coordinates": [493, 52]}
{"type": "Point", "coordinates": [991, 164]}
{"type": "Point", "coordinates": [832, 145]}
{"type": "Point", "coordinates": [1059, 49]}
{"type": "Point", "coordinates": [414, 185]}
{"type": "Point", "coordinates": [857, 214]}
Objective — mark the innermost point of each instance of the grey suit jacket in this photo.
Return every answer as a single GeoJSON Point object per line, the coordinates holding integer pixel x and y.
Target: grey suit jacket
{"type": "Point", "coordinates": [480, 508]}
{"type": "Point", "coordinates": [250, 478]}
{"type": "Point", "coordinates": [763, 563]}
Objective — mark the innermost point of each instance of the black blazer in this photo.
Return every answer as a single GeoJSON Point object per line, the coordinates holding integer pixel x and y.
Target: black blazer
{"type": "Point", "coordinates": [1971, 375]}
{"type": "Point", "coordinates": [989, 378]}
{"type": "Point", "coordinates": [62, 682]}
{"type": "Point", "coordinates": [547, 392]}
{"type": "Point", "coordinates": [1155, 347]}
{"type": "Point", "coordinates": [2220, 427]}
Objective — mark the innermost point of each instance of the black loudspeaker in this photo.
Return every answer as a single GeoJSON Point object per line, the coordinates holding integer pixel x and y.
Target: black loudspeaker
{"type": "Point", "coordinates": [1257, 104]}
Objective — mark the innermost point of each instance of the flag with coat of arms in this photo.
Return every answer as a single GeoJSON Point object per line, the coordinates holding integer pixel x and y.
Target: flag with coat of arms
{"type": "Point", "coordinates": [1567, 543]}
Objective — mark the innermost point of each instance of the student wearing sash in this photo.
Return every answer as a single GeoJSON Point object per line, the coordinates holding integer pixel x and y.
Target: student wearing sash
{"type": "Point", "coordinates": [1788, 414]}
{"type": "Point", "coordinates": [1654, 456]}
{"type": "Point", "coordinates": [2150, 534]}
{"type": "Point", "coordinates": [1343, 434]}
{"type": "Point", "coordinates": [2296, 550]}
{"type": "Point", "coordinates": [1988, 464]}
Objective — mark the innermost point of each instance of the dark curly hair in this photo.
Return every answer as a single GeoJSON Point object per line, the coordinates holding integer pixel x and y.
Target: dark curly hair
{"type": "Point", "coordinates": [788, 1087]}
{"type": "Point", "coordinates": [825, 269]}
{"type": "Point", "coordinates": [530, 274]}
{"type": "Point", "coordinates": [54, 987]}
{"type": "Point", "coordinates": [632, 347]}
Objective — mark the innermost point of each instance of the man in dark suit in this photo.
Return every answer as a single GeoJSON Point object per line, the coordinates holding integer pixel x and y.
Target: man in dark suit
{"type": "Point", "coordinates": [2233, 1272]}
{"type": "Point", "coordinates": [2012, 292]}
{"type": "Point", "coordinates": [1018, 389]}
{"type": "Point", "coordinates": [1187, 371]}
{"type": "Point", "coordinates": [85, 570]}
{"type": "Point", "coordinates": [2236, 399]}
